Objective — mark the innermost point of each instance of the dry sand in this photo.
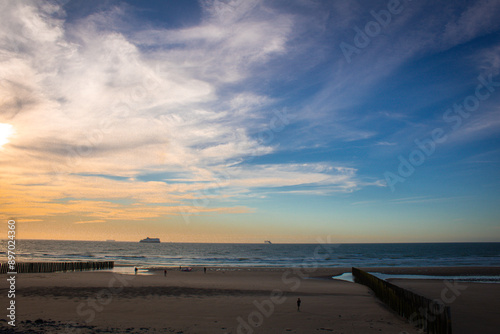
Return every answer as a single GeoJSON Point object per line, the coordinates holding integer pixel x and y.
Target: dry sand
{"type": "Point", "coordinates": [221, 301]}
{"type": "Point", "coordinates": [474, 306]}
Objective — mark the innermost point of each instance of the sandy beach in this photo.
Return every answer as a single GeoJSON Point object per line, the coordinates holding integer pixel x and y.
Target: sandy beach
{"type": "Point", "coordinates": [279, 144]}
{"type": "Point", "coordinates": [474, 309]}
{"type": "Point", "coordinates": [231, 301]}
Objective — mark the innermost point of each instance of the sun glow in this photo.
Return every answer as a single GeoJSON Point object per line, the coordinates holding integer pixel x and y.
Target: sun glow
{"type": "Point", "coordinates": [6, 130]}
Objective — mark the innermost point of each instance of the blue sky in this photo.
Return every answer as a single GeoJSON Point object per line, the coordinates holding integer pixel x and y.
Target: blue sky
{"type": "Point", "coordinates": [242, 121]}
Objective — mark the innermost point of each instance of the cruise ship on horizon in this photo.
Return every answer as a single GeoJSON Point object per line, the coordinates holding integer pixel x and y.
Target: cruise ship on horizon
{"type": "Point", "coordinates": [151, 240]}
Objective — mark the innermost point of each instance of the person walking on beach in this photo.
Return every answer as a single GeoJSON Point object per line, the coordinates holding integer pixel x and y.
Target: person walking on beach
{"type": "Point", "coordinates": [165, 272]}
{"type": "Point", "coordinates": [135, 269]}
{"type": "Point", "coordinates": [298, 304]}
{"type": "Point", "coordinates": [204, 270]}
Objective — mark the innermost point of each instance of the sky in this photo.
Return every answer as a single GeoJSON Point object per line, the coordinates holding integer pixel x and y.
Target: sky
{"type": "Point", "coordinates": [243, 121]}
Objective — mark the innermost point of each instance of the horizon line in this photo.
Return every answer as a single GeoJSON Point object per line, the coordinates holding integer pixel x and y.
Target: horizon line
{"type": "Point", "coordinates": [273, 243]}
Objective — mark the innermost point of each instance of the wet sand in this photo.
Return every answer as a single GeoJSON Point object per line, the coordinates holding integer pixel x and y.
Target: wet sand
{"type": "Point", "coordinates": [221, 301]}
{"type": "Point", "coordinates": [474, 306]}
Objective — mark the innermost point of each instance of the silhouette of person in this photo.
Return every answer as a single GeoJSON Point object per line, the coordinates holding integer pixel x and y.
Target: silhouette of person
{"type": "Point", "coordinates": [135, 269]}
{"type": "Point", "coordinates": [165, 272]}
{"type": "Point", "coordinates": [204, 270]}
{"type": "Point", "coordinates": [298, 304]}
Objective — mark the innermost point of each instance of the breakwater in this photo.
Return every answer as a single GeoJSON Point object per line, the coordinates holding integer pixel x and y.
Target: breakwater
{"type": "Point", "coordinates": [50, 267]}
{"type": "Point", "coordinates": [430, 315]}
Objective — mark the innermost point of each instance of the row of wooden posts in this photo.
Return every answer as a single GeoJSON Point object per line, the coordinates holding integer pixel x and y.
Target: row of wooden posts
{"type": "Point", "coordinates": [50, 267]}
{"type": "Point", "coordinates": [425, 313]}
{"type": "Point", "coordinates": [430, 315]}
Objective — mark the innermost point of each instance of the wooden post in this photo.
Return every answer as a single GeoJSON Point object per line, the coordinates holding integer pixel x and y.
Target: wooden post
{"type": "Point", "coordinates": [406, 303]}
{"type": "Point", "coordinates": [49, 267]}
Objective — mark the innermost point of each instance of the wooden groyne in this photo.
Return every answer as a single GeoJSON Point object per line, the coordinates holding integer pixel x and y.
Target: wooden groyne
{"type": "Point", "coordinates": [50, 267]}
{"type": "Point", "coordinates": [430, 315]}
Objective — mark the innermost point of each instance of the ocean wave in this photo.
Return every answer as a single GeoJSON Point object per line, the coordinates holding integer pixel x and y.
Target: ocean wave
{"type": "Point", "coordinates": [279, 255]}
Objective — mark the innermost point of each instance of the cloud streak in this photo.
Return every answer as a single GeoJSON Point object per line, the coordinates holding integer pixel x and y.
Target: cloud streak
{"type": "Point", "coordinates": [86, 97]}
{"type": "Point", "coordinates": [122, 117]}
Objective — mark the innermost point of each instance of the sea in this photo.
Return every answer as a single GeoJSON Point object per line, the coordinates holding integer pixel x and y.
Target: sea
{"type": "Point", "coordinates": [164, 254]}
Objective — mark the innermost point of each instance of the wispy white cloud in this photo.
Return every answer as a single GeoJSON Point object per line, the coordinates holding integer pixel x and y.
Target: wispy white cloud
{"type": "Point", "coordinates": [86, 98]}
{"type": "Point", "coordinates": [428, 199]}
{"type": "Point", "coordinates": [93, 96]}
{"type": "Point", "coordinates": [480, 18]}
{"type": "Point", "coordinates": [414, 200]}
{"type": "Point", "coordinates": [325, 177]}
{"type": "Point", "coordinates": [489, 157]}
{"type": "Point", "coordinates": [338, 112]}
{"type": "Point", "coordinates": [385, 143]}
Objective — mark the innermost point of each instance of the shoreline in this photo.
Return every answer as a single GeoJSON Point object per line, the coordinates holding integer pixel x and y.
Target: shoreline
{"type": "Point", "coordinates": [225, 300]}
{"type": "Point", "coordinates": [334, 271]}
{"type": "Point", "coordinates": [386, 269]}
